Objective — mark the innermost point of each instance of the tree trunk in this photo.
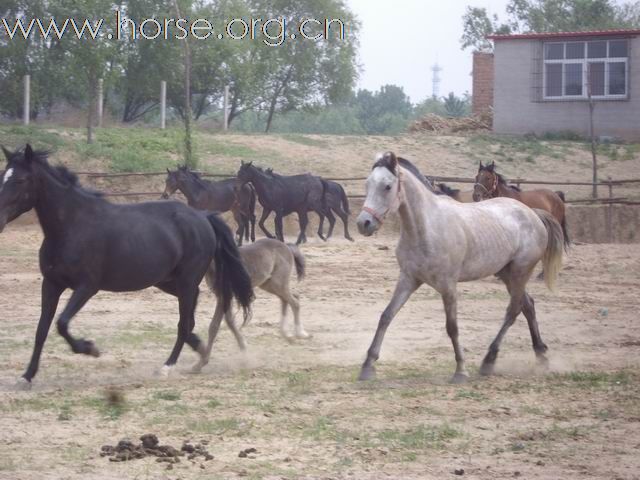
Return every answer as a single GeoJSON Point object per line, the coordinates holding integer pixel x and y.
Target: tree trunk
{"type": "Point", "coordinates": [188, 144]}
{"type": "Point", "coordinates": [93, 87]}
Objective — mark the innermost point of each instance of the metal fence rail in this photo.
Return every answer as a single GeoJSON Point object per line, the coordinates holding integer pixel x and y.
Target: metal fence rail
{"type": "Point", "coordinates": [610, 184]}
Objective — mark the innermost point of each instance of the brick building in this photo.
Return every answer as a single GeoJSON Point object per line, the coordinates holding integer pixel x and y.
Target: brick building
{"type": "Point", "coordinates": [540, 83]}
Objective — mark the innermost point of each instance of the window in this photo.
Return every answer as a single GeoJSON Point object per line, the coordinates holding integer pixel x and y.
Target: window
{"type": "Point", "coordinates": [572, 69]}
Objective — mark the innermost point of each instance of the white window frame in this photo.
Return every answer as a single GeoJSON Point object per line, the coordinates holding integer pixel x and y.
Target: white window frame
{"type": "Point", "coordinates": [585, 64]}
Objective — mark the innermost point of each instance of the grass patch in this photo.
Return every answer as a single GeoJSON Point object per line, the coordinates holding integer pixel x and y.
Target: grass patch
{"type": "Point", "coordinates": [591, 380]}
{"type": "Point", "coordinates": [40, 138]}
{"type": "Point", "coordinates": [511, 149]}
{"type": "Point", "coordinates": [304, 140]}
{"type": "Point", "coordinates": [167, 395]}
{"type": "Point", "coordinates": [420, 437]}
{"type": "Point", "coordinates": [469, 395]}
{"type": "Point", "coordinates": [227, 426]}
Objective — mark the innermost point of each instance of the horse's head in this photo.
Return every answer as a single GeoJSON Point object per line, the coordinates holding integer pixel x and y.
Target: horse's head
{"type": "Point", "coordinates": [175, 180]}
{"type": "Point", "coordinates": [18, 185]}
{"type": "Point", "coordinates": [383, 194]}
{"type": "Point", "coordinates": [486, 182]}
{"type": "Point", "coordinates": [245, 174]}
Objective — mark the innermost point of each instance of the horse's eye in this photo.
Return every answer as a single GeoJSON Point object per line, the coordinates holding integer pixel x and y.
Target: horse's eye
{"type": "Point", "coordinates": [387, 188]}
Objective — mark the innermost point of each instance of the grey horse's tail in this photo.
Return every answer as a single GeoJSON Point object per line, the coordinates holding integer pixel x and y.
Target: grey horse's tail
{"type": "Point", "coordinates": [299, 260]}
{"type": "Point", "coordinates": [552, 258]}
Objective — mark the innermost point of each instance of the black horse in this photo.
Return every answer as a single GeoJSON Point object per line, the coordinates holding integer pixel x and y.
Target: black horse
{"type": "Point", "coordinates": [91, 245]}
{"type": "Point", "coordinates": [216, 197]}
{"type": "Point", "coordinates": [336, 202]}
{"type": "Point", "coordinates": [285, 195]}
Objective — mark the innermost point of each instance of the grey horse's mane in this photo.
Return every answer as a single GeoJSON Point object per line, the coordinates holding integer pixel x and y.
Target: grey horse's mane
{"type": "Point", "coordinates": [406, 164]}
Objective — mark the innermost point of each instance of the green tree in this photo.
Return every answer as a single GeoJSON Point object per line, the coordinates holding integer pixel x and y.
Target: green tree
{"type": "Point", "coordinates": [547, 16]}
{"type": "Point", "coordinates": [455, 106]}
{"type": "Point", "coordinates": [384, 112]}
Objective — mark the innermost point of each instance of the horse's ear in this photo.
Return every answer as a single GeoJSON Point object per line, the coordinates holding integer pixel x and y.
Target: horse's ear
{"type": "Point", "coordinates": [28, 154]}
{"type": "Point", "coordinates": [168, 171]}
{"type": "Point", "coordinates": [391, 162]}
{"type": "Point", "coordinates": [491, 167]}
{"type": "Point", "coordinates": [6, 152]}
{"type": "Point", "coordinates": [481, 165]}
{"type": "Point", "coordinates": [241, 163]}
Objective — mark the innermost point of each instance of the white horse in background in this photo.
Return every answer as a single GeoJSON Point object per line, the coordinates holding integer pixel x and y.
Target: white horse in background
{"type": "Point", "coordinates": [444, 242]}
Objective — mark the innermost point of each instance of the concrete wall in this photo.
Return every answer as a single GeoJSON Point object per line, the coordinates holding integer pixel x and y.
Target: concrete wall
{"type": "Point", "coordinates": [517, 109]}
{"type": "Point", "coordinates": [483, 81]}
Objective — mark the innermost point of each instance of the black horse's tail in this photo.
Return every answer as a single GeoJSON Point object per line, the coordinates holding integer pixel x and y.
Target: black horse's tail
{"type": "Point", "coordinates": [231, 277]}
{"type": "Point", "coordinates": [298, 259]}
{"type": "Point", "coordinates": [344, 200]}
{"type": "Point", "coordinates": [563, 224]}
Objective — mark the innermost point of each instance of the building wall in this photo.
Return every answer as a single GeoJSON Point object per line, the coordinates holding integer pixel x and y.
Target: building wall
{"type": "Point", "coordinates": [517, 110]}
{"type": "Point", "coordinates": [482, 98]}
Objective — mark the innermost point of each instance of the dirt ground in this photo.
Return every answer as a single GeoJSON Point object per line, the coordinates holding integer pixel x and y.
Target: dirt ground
{"type": "Point", "coordinates": [299, 405]}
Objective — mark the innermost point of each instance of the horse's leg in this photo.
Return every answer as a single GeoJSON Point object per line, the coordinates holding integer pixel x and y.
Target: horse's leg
{"type": "Point", "coordinates": [529, 310]}
{"type": "Point", "coordinates": [404, 289]}
{"type": "Point", "coordinates": [516, 287]}
{"type": "Point", "coordinates": [320, 225]}
{"type": "Point", "coordinates": [279, 226]}
{"type": "Point", "coordinates": [265, 214]}
{"type": "Point", "coordinates": [214, 327]}
{"type": "Point", "coordinates": [187, 300]}
{"type": "Point", "coordinates": [50, 297]}
{"type": "Point", "coordinates": [252, 219]}
{"type": "Point", "coordinates": [294, 302]}
{"type": "Point", "coordinates": [332, 223]}
{"type": "Point", "coordinates": [283, 321]}
{"type": "Point", "coordinates": [231, 323]}
{"type": "Point", "coordinates": [345, 219]}
{"type": "Point", "coordinates": [304, 221]}
{"type": "Point", "coordinates": [450, 300]}
{"type": "Point", "coordinates": [240, 221]}
{"type": "Point", "coordinates": [78, 299]}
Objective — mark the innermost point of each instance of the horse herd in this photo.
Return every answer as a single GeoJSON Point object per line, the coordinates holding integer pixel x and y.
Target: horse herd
{"type": "Point", "coordinates": [91, 244]}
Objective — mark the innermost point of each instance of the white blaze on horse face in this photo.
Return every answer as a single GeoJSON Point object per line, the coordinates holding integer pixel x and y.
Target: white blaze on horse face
{"type": "Point", "coordinates": [7, 175]}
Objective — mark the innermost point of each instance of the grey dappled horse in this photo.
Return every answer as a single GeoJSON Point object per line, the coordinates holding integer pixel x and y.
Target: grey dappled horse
{"type": "Point", "coordinates": [443, 242]}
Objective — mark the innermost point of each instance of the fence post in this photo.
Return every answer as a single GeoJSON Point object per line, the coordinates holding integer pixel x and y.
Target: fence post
{"type": "Point", "coordinates": [100, 101]}
{"type": "Point", "coordinates": [163, 104]}
{"type": "Point", "coordinates": [226, 108]}
{"type": "Point", "coordinates": [610, 211]}
{"type": "Point", "coordinates": [26, 108]}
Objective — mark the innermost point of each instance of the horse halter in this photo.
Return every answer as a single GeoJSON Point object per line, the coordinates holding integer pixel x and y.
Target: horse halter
{"type": "Point", "coordinates": [494, 188]}
{"type": "Point", "coordinates": [380, 217]}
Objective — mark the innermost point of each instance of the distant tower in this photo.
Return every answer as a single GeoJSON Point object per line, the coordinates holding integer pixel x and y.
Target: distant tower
{"type": "Point", "coordinates": [436, 69]}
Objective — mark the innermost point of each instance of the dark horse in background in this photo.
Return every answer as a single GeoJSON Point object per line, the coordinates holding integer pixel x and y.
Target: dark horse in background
{"type": "Point", "coordinates": [216, 197]}
{"type": "Point", "coordinates": [336, 202]}
{"type": "Point", "coordinates": [285, 195]}
{"type": "Point", "coordinates": [490, 184]}
{"type": "Point", "coordinates": [91, 245]}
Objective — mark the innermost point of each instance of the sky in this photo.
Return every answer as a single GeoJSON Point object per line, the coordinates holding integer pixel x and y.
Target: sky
{"type": "Point", "coordinates": [400, 40]}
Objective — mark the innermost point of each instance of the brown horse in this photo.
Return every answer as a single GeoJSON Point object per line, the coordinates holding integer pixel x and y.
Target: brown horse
{"type": "Point", "coordinates": [490, 184]}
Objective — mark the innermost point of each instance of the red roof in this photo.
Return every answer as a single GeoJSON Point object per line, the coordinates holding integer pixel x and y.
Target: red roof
{"type": "Point", "coordinates": [593, 33]}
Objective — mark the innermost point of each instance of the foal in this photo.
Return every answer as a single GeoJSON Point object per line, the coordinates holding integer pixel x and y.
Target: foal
{"type": "Point", "coordinates": [269, 263]}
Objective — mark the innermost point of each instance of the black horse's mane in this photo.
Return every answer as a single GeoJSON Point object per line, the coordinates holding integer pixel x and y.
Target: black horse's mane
{"type": "Point", "coordinates": [60, 173]}
{"type": "Point", "coordinates": [447, 190]}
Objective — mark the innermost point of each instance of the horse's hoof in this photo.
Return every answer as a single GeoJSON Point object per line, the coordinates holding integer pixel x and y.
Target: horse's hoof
{"type": "Point", "coordinates": [23, 384]}
{"type": "Point", "coordinates": [93, 351]}
{"type": "Point", "coordinates": [197, 368]}
{"type": "Point", "coordinates": [350, 239]}
{"type": "Point", "coordinates": [459, 379]}
{"type": "Point", "coordinates": [542, 363]}
{"type": "Point", "coordinates": [303, 335]}
{"type": "Point", "coordinates": [486, 370]}
{"type": "Point", "coordinates": [367, 373]}
{"type": "Point", "coordinates": [165, 371]}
